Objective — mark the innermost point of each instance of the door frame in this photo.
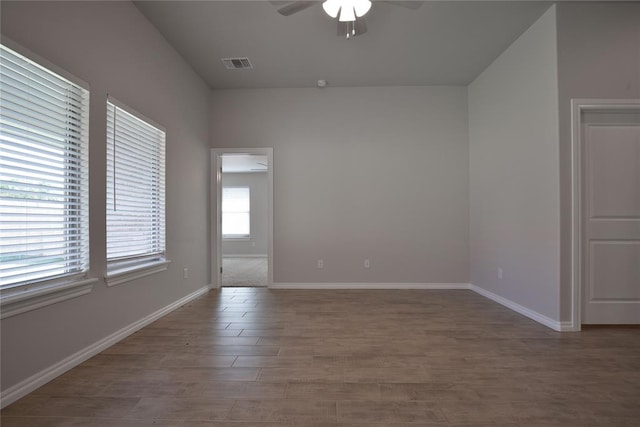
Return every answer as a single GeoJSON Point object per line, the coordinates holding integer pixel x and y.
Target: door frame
{"type": "Point", "coordinates": [579, 106]}
{"type": "Point", "coordinates": [216, 210]}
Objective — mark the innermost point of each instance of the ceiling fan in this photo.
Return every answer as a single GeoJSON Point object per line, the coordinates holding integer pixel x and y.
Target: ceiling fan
{"type": "Point", "coordinates": [350, 13]}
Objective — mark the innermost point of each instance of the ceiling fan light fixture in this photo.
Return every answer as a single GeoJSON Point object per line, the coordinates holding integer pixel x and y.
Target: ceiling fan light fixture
{"type": "Point", "coordinates": [346, 9]}
{"type": "Point", "coordinates": [361, 7]}
{"type": "Point", "coordinates": [347, 14]}
{"type": "Point", "coordinates": [332, 7]}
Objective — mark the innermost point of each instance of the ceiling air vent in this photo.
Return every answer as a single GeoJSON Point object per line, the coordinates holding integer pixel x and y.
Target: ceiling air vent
{"type": "Point", "coordinates": [237, 63]}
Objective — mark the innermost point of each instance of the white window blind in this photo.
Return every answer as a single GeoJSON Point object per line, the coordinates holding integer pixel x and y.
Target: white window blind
{"type": "Point", "coordinates": [135, 189]}
{"type": "Point", "coordinates": [236, 212]}
{"type": "Point", "coordinates": [44, 231]}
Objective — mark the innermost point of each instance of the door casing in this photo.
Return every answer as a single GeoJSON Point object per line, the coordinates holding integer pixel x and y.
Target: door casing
{"type": "Point", "coordinates": [216, 209]}
{"type": "Point", "coordinates": [578, 107]}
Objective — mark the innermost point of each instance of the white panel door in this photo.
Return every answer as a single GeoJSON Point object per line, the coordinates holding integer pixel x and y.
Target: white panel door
{"type": "Point", "coordinates": [611, 226]}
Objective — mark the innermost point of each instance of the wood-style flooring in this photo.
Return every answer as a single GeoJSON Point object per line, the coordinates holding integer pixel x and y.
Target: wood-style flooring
{"type": "Point", "coordinates": [260, 357]}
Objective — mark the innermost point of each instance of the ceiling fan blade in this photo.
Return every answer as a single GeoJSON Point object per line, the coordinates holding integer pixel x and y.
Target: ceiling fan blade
{"type": "Point", "coordinates": [360, 27]}
{"type": "Point", "coordinates": [413, 5]}
{"type": "Point", "coordinates": [295, 7]}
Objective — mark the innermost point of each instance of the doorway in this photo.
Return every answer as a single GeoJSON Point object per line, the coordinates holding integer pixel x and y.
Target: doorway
{"type": "Point", "coordinates": [242, 210]}
{"type": "Point", "coordinates": [606, 145]}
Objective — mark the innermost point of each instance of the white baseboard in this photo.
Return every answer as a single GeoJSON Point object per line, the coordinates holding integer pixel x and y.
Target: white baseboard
{"type": "Point", "coordinates": [28, 385]}
{"type": "Point", "coordinates": [567, 326]}
{"type": "Point", "coordinates": [531, 314]}
{"type": "Point", "coordinates": [534, 315]}
{"type": "Point", "coordinates": [433, 286]}
{"type": "Point", "coordinates": [244, 256]}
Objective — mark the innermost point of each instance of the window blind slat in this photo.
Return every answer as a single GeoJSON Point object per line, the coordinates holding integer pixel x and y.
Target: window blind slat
{"type": "Point", "coordinates": [63, 129]}
{"type": "Point", "coordinates": [20, 161]}
{"type": "Point", "coordinates": [31, 138]}
{"type": "Point", "coordinates": [20, 151]}
{"type": "Point", "coordinates": [33, 73]}
{"type": "Point", "coordinates": [130, 166]}
{"type": "Point", "coordinates": [43, 173]}
{"type": "Point", "coordinates": [60, 89]}
{"type": "Point", "coordinates": [133, 146]}
{"type": "Point", "coordinates": [135, 187]}
{"type": "Point", "coordinates": [20, 94]}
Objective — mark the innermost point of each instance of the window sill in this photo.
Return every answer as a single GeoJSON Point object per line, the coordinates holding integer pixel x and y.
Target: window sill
{"type": "Point", "coordinates": [126, 274]}
{"type": "Point", "coordinates": [237, 238]}
{"type": "Point", "coordinates": [21, 300]}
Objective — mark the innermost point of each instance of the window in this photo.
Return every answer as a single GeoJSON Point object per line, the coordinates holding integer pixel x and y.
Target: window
{"type": "Point", "coordinates": [135, 192]}
{"type": "Point", "coordinates": [236, 212]}
{"type": "Point", "coordinates": [44, 212]}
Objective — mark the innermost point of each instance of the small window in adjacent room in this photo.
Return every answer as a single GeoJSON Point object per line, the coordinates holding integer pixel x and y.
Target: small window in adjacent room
{"type": "Point", "coordinates": [135, 195]}
{"type": "Point", "coordinates": [236, 213]}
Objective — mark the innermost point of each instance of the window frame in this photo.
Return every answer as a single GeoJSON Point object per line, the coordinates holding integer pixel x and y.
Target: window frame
{"type": "Point", "coordinates": [236, 237]}
{"type": "Point", "coordinates": [23, 297]}
{"type": "Point", "coordinates": [125, 269]}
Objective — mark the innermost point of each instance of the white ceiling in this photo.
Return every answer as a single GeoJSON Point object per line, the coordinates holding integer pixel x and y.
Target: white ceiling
{"type": "Point", "coordinates": [237, 163]}
{"type": "Point", "coordinates": [441, 43]}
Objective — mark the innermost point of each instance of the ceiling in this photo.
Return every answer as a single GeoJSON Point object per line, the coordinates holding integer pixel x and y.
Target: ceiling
{"type": "Point", "coordinates": [242, 163]}
{"type": "Point", "coordinates": [441, 43]}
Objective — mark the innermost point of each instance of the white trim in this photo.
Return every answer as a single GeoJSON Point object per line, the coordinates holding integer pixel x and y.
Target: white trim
{"type": "Point", "coordinates": [244, 255]}
{"type": "Point", "coordinates": [125, 275]}
{"type": "Point", "coordinates": [577, 107]}
{"type": "Point", "coordinates": [21, 300]}
{"type": "Point", "coordinates": [433, 286]}
{"type": "Point", "coordinates": [566, 326]}
{"type": "Point", "coordinates": [531, 314]}
{"type": "Point", "coordinates": [534, 315]}
{"type": "Point", "coordinates": [216, 203]}
{"type": "Point", "coordinates": [25, 387]}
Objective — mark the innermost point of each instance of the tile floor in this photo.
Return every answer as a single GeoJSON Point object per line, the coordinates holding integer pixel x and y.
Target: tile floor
{"type": "Point", "coordinates": [259, 357]}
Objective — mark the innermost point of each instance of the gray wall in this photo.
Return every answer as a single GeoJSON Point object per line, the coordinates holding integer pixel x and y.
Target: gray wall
{"type": "Point", "coordinates": [598, 57]}
{"type": "Point", "coordinates": [259, 192]}
{"type": "Point", "coordinates": [116, 50]}
{"type": "Point", "coordinates": [378, 173]}
{"type": "Point", "coordinates": [514, 166]}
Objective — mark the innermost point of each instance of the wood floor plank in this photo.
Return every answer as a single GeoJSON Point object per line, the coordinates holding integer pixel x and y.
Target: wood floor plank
{"type": "Point", "coordinates": [235, 390]}
{"type": "Point", "coordinates": [180, 409]}
{"type": "Point", "coordinates": [346, 358]}
{"type": "Point", "coordinates": [371, 411]}
{"type": "Point", "coordinates": [76, 406]}
{"type": "Point", "coordinates": [290, 410]}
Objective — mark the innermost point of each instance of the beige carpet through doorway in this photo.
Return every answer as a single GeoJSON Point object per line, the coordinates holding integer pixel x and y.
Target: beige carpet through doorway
{"type": "Point", "coordinates": [245, 272]}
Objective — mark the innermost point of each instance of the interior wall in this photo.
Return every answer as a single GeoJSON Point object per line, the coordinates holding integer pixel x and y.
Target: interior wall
{"type": "Point", "coordinates": [598, 57]}
{"type": "Point", "coordinates": [514, 167]}
{"type": "Point", "coordinates": [113, 48]}
{"type": "Point", "coordinates": [258, 184]}
{"type": "Point", "coordinates": [360, 173]}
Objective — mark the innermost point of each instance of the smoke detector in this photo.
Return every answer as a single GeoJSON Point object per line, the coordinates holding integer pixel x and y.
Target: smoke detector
{"type": "Point", "coordinates": [237, 63]}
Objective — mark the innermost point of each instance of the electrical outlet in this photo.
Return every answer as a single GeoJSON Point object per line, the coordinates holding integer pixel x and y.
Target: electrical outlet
{"type": "Point", "coordinates": [320, 263]}
{"type": "Point", "coordinates": [367, 263]}
{"type": "Point", "coordinates": [499, 273]}
{"type": "Point", "coordinates": [185, 273]}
